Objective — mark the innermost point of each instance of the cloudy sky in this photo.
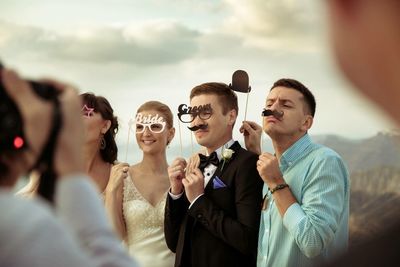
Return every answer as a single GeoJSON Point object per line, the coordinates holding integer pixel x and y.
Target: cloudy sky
{"type": "Point", "coordinates": [131, 51]}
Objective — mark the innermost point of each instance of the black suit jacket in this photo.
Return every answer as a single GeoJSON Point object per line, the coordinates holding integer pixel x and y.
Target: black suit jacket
{"type": "Point", "coordinates": [221, 227]}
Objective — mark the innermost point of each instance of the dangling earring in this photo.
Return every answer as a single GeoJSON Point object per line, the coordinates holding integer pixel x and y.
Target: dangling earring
{"type": "Point", "coordinates": [168, 143]}
{"type": "Point", "coordinates": [103, 143]}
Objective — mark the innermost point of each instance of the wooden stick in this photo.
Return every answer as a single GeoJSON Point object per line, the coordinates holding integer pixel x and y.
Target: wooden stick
{"type": "Point", "coordinates": [130, 123]}
{"type": "Point", "coordinates": [245, 110]}
{"type": "Point", "coordinates": [180, 136]}
{"type": "Point", "coordinates": [191, 140]}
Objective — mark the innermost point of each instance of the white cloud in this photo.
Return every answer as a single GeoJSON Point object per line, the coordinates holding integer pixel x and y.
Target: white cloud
{"type": "Point", "coordinates": [152, 43]}
{"type": "Point", "coordinates": [159, 49]}
{"type": "Point", "coordinates": [276, 24]}
{"type": "Point", "coordinates": [248, 30]}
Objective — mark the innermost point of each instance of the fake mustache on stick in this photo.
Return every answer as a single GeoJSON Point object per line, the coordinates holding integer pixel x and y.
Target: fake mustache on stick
{"type": "Point", "coordinates": [198, 127]}
{"type": "Point", "coordinates": [275, 113]}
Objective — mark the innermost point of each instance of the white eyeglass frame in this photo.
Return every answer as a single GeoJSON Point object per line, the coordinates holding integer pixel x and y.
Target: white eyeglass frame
{"type": "Point", "coordinates": [149, 125]}
{"type": "Point", "coordinates": [148, 121]}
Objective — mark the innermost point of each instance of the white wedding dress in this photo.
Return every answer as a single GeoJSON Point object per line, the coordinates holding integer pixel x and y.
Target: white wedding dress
{"type": "Point", "coordinates": [145, 228]}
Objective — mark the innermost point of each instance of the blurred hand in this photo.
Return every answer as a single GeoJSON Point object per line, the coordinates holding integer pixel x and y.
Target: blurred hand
{"type": "Point", "coordinates": [35, 113]}
{"type": "Point", "coordinates": [176, 172]}
{"type": "Point", "coordinates": [194, 184]}
{"type": "Point", "coordinates": [252, 136]}
{"type": "Point", "coordinates": [68, 153]}
{"type": "Point", "coordinates": [118, 173]}
{"type": "Point", "coordinates": [37, 119]}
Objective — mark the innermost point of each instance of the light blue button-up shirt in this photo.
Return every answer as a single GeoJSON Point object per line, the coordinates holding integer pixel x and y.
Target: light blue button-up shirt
{"type": "Point", "coordinates": [316, 227]}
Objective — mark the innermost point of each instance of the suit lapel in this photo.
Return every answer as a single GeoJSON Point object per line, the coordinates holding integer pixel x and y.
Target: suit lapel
{"type": "Point", "coordinates": [219, 172]}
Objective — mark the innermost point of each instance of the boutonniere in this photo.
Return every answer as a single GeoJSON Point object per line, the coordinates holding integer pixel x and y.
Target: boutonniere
{"type": "Point", "coordinates": [226, 156]}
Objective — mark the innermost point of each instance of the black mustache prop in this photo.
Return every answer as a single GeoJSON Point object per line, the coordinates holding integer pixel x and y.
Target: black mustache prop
{"type": "Point", "coordinates": [198, 127]}
{"type": "Point", "coordinates": [275, 113]}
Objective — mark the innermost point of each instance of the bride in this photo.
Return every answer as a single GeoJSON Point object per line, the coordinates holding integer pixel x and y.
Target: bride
{"type": "Point", "coordinates": [136, 201]}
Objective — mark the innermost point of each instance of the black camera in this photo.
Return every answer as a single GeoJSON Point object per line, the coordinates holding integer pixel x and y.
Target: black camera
{"type": "Point", "coordinates": [11, 127]}
{"type": "Point", "coordinates": [12, 138]}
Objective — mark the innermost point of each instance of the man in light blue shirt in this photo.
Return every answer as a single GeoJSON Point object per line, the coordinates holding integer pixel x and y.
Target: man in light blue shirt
{"type": "Point", "coordinates": [305, 209]}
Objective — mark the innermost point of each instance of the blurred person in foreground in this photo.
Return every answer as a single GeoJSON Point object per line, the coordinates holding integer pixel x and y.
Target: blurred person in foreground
{"type": "Point", "coordinates": [366, 41]}
{"type": "Point", "coordinates": [99, 149]}
{"type": "Point", "coordinates": [31, 233]}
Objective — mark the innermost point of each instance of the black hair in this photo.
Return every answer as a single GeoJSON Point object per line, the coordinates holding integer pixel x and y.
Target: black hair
{"type": "Point", "coordinates": [101, 105]}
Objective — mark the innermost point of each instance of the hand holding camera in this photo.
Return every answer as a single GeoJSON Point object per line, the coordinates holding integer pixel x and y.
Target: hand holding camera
{"type": "Point", "coordinates": [42, 124]}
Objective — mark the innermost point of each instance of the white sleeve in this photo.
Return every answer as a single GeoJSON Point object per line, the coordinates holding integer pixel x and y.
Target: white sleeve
{"type": "Point", "coordinates": [36, 238]}
{"type": "Point", "coordinates": [175, 197]}
{"type": "Point", "coordinates": [32, 236]}
{"type": "Point", "coordinates": [79, 205]}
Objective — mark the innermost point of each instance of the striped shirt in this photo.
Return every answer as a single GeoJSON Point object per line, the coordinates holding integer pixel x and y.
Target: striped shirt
{"type": "Point", "coordinates": [316, 227]}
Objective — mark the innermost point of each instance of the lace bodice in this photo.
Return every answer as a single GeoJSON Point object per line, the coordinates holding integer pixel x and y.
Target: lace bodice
{"type": "Point", "coordinates": [145, 228]}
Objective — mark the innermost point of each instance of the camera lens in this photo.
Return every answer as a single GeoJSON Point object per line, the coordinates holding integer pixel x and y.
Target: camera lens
{"type": "Point", "coordinates": [45, 91]}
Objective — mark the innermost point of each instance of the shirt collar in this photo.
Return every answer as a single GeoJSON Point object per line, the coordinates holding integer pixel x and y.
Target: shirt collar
{"type": "Point", "coordinates": [296, 150]}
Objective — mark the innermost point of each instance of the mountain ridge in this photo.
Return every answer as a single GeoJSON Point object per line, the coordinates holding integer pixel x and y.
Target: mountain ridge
{"type": "Point", "coordinates": [374, 166]}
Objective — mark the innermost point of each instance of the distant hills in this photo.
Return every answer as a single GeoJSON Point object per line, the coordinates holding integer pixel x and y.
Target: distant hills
{"type": "Point", "coordinates": [380, 150]}
{"type": "Point", "coordinates": [374, 165]}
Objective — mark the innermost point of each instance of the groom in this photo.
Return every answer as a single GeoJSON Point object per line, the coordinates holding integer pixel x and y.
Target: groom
{"type": "Point", "coordinates": [213, 212]}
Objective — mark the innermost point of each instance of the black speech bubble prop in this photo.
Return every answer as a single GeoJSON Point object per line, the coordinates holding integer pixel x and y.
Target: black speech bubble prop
{"type": "Point", "coordinates": [240, 82]}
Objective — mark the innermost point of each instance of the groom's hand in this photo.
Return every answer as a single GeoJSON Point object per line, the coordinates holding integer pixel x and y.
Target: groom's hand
{"type": "Point", "coordinates": [193, 163]}
{"type": "Point", "coordinates": [194, 184]}
{"type": "Point", "coordinates": [176, 172]}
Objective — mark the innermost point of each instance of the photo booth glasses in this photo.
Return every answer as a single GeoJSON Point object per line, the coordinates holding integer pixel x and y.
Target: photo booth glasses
{"type": "Point", "coordinates": [87, 112]}
{"type": "Point", "coordinates": [187, 114]}
{"type": "Point", "coordinates": [153, 127]}
{"type": "Point", "coordinates": [188, 118]}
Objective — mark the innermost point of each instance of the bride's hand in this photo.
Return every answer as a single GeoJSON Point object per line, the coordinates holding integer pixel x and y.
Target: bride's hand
{"type": "Point", "coordinates": [118, 173]}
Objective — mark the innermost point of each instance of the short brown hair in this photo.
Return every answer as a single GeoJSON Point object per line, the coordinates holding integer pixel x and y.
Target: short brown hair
{"type": "Point", "coordinates": [159, 107]}
{"type": "Point", "coordinates": [227, 97]}
{"type": "Point", "coordinates": [309, 98]}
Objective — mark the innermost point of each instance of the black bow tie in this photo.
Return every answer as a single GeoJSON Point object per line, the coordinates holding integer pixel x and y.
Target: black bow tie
{"type": "Point", "coordinates": [205, 161]}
